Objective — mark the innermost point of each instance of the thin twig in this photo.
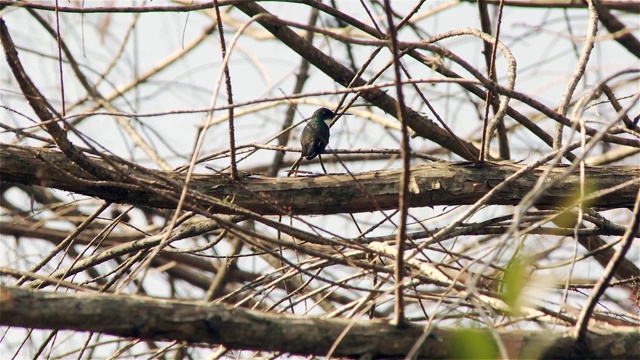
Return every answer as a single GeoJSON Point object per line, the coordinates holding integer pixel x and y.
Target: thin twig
{"type": "Point", "coordinates": [580, 331]}
{"type": "Point", "coordinates": [404, 180]}
{"type": "Point", "coordinates": [490, 58]}
{"type": "Point", "coordinates": [227, 77]}
{"type": "Point", "coordinates": [61, 73]}
{"type": "Point", "coordinates": [301, 80]}
{"type": "Point", "coordinates": [185, 187]}
{"type": "Point", "coordinates": [565, 100]}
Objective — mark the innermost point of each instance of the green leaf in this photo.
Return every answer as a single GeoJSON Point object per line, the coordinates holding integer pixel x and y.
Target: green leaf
{"type": "Point", "coordinates": [515, 278]}
{"type": "Point", "coordinates": [473, 344]}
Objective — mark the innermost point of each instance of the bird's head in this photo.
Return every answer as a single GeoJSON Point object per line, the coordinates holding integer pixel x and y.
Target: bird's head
{"type": "Point", "coordinates": [323, 114]}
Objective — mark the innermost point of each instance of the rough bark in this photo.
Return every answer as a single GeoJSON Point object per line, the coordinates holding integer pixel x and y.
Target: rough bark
{"type": "Point", "coordinates": [237, 328]}
{"type": "Point", "coordinates": [432, 184]}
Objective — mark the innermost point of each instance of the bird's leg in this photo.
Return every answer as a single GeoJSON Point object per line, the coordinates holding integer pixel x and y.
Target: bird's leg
{"type": "Point", "coordinates": [294, 168]}
{"type": "Point", "coordinates": [322, 164]}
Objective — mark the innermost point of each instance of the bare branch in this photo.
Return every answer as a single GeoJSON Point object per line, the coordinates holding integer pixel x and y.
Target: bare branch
{"type": "Point", "coordinates": [238, 328]}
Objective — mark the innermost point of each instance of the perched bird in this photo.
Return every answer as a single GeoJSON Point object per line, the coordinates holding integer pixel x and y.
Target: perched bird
{"type": "Point", "coordinates": [315, 136]}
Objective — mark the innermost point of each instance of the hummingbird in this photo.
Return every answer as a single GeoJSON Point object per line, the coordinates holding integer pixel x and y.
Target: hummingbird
{"type": "Point", "coordinates": [315, 136]}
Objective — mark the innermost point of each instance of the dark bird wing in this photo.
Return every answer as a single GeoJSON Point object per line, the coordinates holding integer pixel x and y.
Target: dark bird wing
{"type": "Point", "coordinates": [308, 150]}
{"type": "Point", "coordinates": [314, 140]}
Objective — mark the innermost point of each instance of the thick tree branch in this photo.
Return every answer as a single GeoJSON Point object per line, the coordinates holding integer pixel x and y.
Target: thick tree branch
{"type": "Point", "coordinates": [238, 328]}
{"type": "Point", "coordinates": [622, 34]}
{"type": "Point", "coordinates": [430, 185]}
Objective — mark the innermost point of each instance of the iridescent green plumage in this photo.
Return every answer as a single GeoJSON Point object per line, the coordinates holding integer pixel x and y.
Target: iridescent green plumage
{"type": "Point", "coordinates": [315, 136]}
